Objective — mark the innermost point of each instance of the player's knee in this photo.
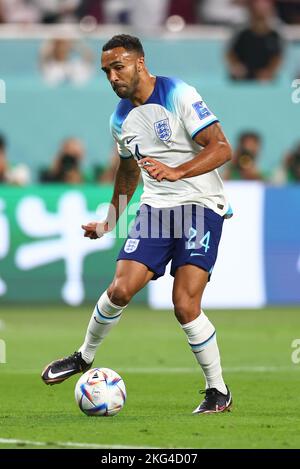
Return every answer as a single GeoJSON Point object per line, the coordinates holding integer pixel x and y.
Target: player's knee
{"type": "Point", "coordinates": [186, 309]}
{"type": "Point", "coordinates": [119, 293]}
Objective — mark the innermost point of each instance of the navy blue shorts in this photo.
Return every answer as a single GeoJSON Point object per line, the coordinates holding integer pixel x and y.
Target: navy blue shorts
{"type": "Point", "coordinates": [187, 234]}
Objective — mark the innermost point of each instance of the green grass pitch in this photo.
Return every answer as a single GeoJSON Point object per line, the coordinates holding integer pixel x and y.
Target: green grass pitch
{"type": "Point", "coordinates": [149, 350]}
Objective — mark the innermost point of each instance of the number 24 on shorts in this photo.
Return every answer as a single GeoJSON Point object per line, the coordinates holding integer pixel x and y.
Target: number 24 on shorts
{"type": "Point", "coordinates": [204, 242]}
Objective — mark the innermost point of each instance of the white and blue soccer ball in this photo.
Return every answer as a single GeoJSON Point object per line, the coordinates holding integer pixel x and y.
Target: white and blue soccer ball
{"type": "Point", "coordinates": [100, 392]}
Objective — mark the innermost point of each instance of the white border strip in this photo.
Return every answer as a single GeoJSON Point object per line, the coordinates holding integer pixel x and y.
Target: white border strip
{"type": "Point", "coordinates": [41, 31]}
{"type": "Point", "coordinates": [104, 31]}
{"type": "Point", "coordinates": [67, 444]}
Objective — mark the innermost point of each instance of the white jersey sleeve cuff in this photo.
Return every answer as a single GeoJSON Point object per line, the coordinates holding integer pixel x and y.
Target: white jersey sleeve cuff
{"type": "Point", "coordinates": [207, 124]}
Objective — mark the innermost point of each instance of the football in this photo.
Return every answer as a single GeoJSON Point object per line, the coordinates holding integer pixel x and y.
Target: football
{"type": "Point", "coordinates": [100, 392]}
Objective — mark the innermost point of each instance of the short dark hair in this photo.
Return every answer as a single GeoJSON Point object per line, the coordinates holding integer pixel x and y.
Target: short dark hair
{"type": "Point", "coordinates": [130, 43]}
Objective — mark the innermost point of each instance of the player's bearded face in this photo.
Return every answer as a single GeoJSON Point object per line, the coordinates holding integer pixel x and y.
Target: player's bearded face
{"type": "Point", "coordinates": [121, 68]}
{"type": "Point", "coordinates": [127, 82]}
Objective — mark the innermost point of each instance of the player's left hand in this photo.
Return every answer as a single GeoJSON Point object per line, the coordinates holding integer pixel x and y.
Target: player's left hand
{"type": "Point", "coordinates": [158, 170]}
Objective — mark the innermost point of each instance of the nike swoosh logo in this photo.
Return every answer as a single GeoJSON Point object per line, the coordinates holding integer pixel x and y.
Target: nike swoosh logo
{"type": "Point", "coordinates": [196, 254]}
{"type": "Point", "coordinates": [56, 375]}
{"type": "Point", "coordinates": [223, 407]}
{"type": "Point", "coordinates": [129, 140]}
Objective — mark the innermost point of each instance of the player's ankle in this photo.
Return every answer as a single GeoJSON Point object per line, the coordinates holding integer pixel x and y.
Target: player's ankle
{"type": "Point", "coordinates": [86, 355]}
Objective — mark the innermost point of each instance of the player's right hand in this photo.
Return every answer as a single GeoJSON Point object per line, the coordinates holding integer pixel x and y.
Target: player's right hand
{"type": "Point", "coordinates": [95, 230]}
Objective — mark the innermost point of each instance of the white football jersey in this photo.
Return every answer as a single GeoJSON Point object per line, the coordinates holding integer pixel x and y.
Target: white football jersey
{"type": "Point", "coordinates": [164, 128]}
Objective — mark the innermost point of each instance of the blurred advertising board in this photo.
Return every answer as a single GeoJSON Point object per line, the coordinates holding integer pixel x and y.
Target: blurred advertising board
{"type": "Point", "coordinates": [43, 254]}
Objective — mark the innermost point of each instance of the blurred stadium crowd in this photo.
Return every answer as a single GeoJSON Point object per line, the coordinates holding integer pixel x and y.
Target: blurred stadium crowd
{"type": "Point", "coordinates": [255, 53]}
{"type": "Point", "coordinates": [140, 13]}
{"type": "Point", "coordinates": [67, 165]}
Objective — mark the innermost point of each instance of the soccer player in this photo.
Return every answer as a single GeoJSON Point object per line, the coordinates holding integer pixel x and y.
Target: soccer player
{"type": "Point", "coordinates": [164, 129]}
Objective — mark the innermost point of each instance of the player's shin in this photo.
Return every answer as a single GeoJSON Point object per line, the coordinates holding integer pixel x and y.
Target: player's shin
{"type": "Point", "coordinates": [105, 315]}
{"type": "Point", "coordinates": [201, 336]}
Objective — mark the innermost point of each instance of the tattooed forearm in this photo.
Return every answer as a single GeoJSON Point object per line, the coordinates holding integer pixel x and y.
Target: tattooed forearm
{"type": "Point", "coordinates": [126, 181]}
{"type": "Point", "coordinates": [127, 178]}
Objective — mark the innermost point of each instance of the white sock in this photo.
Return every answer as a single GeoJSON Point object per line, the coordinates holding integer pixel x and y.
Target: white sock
{"type": "Point", "coordinates": [104, 317]}
{"type": "Point", "coordinates": [201, 336]}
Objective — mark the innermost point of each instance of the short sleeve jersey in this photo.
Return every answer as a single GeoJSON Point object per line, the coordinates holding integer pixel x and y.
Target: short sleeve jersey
{"type": "Point", "coordinates": [164, 128]}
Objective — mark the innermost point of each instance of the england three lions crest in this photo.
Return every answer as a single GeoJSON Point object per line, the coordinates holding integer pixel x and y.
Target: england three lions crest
{"type": "Point", "coordinates": [162, 129]}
